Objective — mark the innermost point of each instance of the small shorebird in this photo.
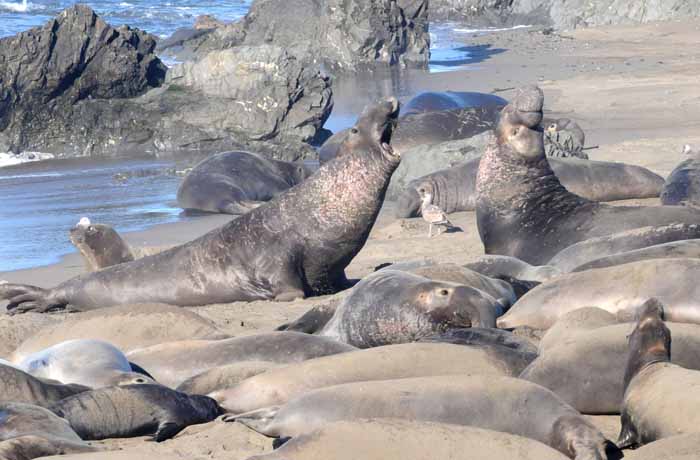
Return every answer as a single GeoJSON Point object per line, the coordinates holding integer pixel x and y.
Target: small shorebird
{"type": "Point", "coordinates": [432, 213]}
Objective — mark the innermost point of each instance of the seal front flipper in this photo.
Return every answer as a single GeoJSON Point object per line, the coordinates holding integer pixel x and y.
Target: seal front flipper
{"type": "Point", "coordinates": [628, 433]}
{"type": "Point", "coordinates": [167, 430]}
{"type": "Point", "coordinates": [24, 298]}
{"type": "Point", "coordinates": [258, 420]}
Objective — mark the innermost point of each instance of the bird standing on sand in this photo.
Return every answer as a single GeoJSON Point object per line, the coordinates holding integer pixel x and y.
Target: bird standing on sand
{"type": "Point", "coordinates": [432, 213]}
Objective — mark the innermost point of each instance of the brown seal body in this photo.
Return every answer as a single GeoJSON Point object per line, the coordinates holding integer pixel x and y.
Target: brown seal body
{"type": "Point", "coordinates": [293, 246]}
{"type": "Point", "coordinates": [100, 245]}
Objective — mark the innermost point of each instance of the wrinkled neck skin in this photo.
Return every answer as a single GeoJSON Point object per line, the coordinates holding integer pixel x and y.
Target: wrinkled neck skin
{"type": "Point", "coordinates": [579, 440]}
{"type": "Point", "coordinates": [640, 360]}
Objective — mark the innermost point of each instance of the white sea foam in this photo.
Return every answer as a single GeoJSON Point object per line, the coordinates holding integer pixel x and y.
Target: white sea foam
{"type": "Point", "coordinates": [125, 4]}
{"type": "Point", "coordinates": [489, 29]}
{"type": "Point", "coordinates": [9, 159]}
{"type": "Point", "coordinates": [16, 7]}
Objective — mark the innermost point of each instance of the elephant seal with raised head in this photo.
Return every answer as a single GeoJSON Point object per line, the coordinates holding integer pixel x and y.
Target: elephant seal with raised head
{"type": "Point", "coordinates": [236, 182]}
{"type": "Point", "coordinates": [99, 245]}
{"type": "Point", "coordinates": [294, 246]}
{"type": "Point", "coordinates": [523, 210]}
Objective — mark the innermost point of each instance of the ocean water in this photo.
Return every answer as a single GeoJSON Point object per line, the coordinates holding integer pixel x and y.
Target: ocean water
{"type": "Point", "coordinates": [41, 201]}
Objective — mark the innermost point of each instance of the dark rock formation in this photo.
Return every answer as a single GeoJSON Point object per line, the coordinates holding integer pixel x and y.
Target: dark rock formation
{"type": "Point", "coordinates": [343, 34]}
{"type": "Point", "coordinates": [77, 87]}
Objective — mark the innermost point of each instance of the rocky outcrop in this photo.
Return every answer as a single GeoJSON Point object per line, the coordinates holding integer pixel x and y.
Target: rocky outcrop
{"type": "Point", "coordinates": [564, 14]}
{"type": "Point", "coordinates": [78, 87]}
{"type": "Point", "coordinates": [342, 34]}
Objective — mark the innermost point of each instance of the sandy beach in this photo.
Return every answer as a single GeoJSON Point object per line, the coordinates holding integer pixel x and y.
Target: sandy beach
{"type": "Point", "coordinates": [633, 89]}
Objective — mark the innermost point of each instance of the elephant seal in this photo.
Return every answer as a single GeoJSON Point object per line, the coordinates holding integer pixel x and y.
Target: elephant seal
{"type": "Point", "coordinates": [511, 267]}
{"type": "Point", "coordinates": [454, 189]}
{"type": "Point", "coordinates": [127, 327]}
{"type": "Point", "coordinates": [564, 138]}
{"type": "Point", "coordinates": [135, 410]}
{"type": "Point", "coordinates": [294, 246]}
{"type": "Point", "coordinates": [18, 386]}
{"type": "Point", "coordinates": [684, 249]}
{"type": "Point", "coordinates": [587, 369]}
{"type": "Point", "coordinates": [99, 245]}
{"type": "Point", "coordinates": [223, 377]}
{"type": "Point", "coordinates": [92, 363]}
{"type": "Point", "coordinates": [621, 290]}
{"type": "Point", "coordinates": [682, 187]}
{"type": "Point", "coordinates": [581, 320]}
{"type": "Point", "coordinates": [28, 431]}
{"type": "Point", "coordinates": [236, 182]}
{"type": "Point", "coordinates": [432, 101]}
{"type": "Point", "coordinates": [486, 337]}
{"type": "Point", "coordinates": [502, 404]}
{"type": "Point", "coordinates": [524, 211]}
{"type": "Point", "coordinates": [680, 447]}
{"type": "Point", "coordinates": [391, 306]}
{"type": "Point", "coordinates": [390, 362]}
{"type": "Point", "coordinates": [173, 363]}
{"type": "Point", "coordinates": [383, 439]}
{"type": "Point", "coordinates": [594, 248]}
{"type": "Point", "coordinates": [661, 399]}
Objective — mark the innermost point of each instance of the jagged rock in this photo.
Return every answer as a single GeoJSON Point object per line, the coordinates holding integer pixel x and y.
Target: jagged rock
{"type": "Point", "coordinates": [258, 98]}
{"type": "Point", "coordinates": [207, 21]}
{"type": "Point", "coordinates": [343, 34]}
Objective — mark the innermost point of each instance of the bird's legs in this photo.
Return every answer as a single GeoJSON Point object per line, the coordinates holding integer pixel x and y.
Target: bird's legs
{"type": "Point", "coordinates": [430, 231]}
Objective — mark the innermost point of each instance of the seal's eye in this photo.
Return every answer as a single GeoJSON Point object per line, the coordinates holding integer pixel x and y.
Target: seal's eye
{"type": "Point", "coordinates": [91, 229]}
{"type": "Point", "coordinates": [515, 131]}
{"type": "Point", "coordinates": [354, 130]}
{"type": "Point", "coordinates": [444, 292]}
{"type": "Point", "coordinates": [139, 380]}
{"type": "Point", "coordinates": [552, 126]}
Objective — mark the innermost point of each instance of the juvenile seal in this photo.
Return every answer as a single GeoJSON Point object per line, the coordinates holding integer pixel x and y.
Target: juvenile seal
{"type": "Point", "coordinates": [564, 138]}
{"type": "Point", "coordinates": [135, 410]}
{"type": "Point", "coordinates": [595, 248]}
{"type": "Point", "coordinates": [685, 249]}
{"type": "Point", "coordinates": [523, 210]}
{"type": "Point", "coordinates": [28, 431]}
{"type": "Point", "coordinates": [99, 245]}
{"type": "Point", "coordinates": [92, 363]}
{"type": "Point", "coordinates": [496, 403]}
{"type": "Point", "coordinates": [173, 363]}
{"type": "Point", "coordinates": [454, 189]}
{"type": "Point", "coordinates": [296, 245]}
{"type": "Point", "coordinates": [661, 399]}
{"type": "Point", "coordinates": [683, 184]}
{"type": "Point", "coordinates": [18, 386]}
{"type": "Point", "coordinates": [407, 440]}
{"type": "Point", "coordinates": [277, 386]}
{"type": "Point", "coordinates": [236, 182]}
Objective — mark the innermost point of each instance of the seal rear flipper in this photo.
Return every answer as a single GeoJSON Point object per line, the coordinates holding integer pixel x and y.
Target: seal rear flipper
{"type": "Point", "coordinates": [167, 430]}
{"type": "Point", "coordinates": [24, 298]}
{"type": "Point", "coordinates": [258, 420]}
{"type": "Point", "coordinates": [628, 433]}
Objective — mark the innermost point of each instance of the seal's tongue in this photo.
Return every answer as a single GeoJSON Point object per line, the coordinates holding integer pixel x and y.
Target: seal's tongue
{"type": "Point", "coordinates": [527, 106]}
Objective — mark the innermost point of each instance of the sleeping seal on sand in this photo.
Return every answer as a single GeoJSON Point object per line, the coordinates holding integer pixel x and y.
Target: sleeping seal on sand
{"type": "Point", "coordinates": [19, 386]}
{"type": "Point", "coordinates": [99, 245]}
{"type": "Point", "coordinates": [236, 182]}
{"type": "Point", "coordinates": [683, 184]}
{"type": "Point", "coordinates": [294, 246]}
{"type": "Point", "coordinates": [522, 208]}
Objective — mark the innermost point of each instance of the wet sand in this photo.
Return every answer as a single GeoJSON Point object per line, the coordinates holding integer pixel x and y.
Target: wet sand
{"type": "Point", "coordinates": [632, 88]}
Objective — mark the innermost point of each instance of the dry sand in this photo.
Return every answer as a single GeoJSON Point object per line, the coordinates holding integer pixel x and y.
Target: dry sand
{"type": "Point", "coordinates": [634, 90]}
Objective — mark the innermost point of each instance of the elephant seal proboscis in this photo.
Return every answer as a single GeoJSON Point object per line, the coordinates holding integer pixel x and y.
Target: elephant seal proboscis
{"type": "Point", "coordinates": [523, 210]}
{"type": "Point", "coordinates": [621, 290]}
{"type": "Point", "coordinates": [296, 245]}
{"type": "Point", "coordinates": [392, 306]}
{"type": "Point", "coordinates": [135, 410]}
{"type": "Point", "coordinates": [127, 327]}
{"type": "Point", "coordinates": [684, 249]}
{"type": "Point", "coordinates": [92, 363]}
{"type": "Point", "coordinates": [173, 363]}
{"type": "Point", "coordinates": [384, 439]}
{"type": "Point", "coordinates": [661, 399]}
{"type": "Point", "coordinates": [454, 189]}
{"type": "Point", "coordinates": [568, 259]}
{"type": "Point", "coordinates": [502, 404]}
{"type": "Point", "coordinates": [682, 187]}
{"type": "Point", "coordinates": [21, 387]}
{"type": "Point", "coordinates": [278, 386]}
{"type": "Point", "coordinates": [237, 182]}
{"type": "Point", "coordinates": [587, 369]}
{"type": "Point", "coordinates": [28, 431]}
{"type": "Point", "coordinates": [99, 245]}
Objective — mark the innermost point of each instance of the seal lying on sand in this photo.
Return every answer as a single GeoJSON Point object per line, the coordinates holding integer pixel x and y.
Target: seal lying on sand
{"type": "Point", "coordinates": [223, 377]}
{"type": "Point", "coordinates": [92, 363]}
{"type": "Point", "coordinates": [683, 184]}
{"type": "Point", "coordinates": [686, 249]}
{"type": "Point", "coordinates": [100, 245]}
{"type": "Point", "coordinates": [28, 431]}
{"type": "Point", "coordinates": [496, 403]}
{"type": "Point", "coordinates": [18, 386]}
{"type": "Point", "coordinates": [392, 306]}
{"type": "Point", "coordinates": [564, 138]}
{"type": "Point", "coordinates": [402, 361]}
{"type": "Point", "coordinates": [406, 440]}
{"type": "Point", "coordinates": [135, 410]}
{"type": "Point", "coordinates": [454, 189]}
{"type": "Point", "coordinates": [432, 101]}
{"type": "Point", "coordinates": [294, 246]}
{"type": "Point", "coordinates": [236, 182]}
{"type": "Point", "coordinates": [511, 267]}
{"type": "Point", "coordinates": [621, 290]}
{"type": "Point", "coordinates": [173, 363]}
{"type": "Point", "coordinates": [522, 208]}
{"type": "Point", "coordinates": [661, 399]}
